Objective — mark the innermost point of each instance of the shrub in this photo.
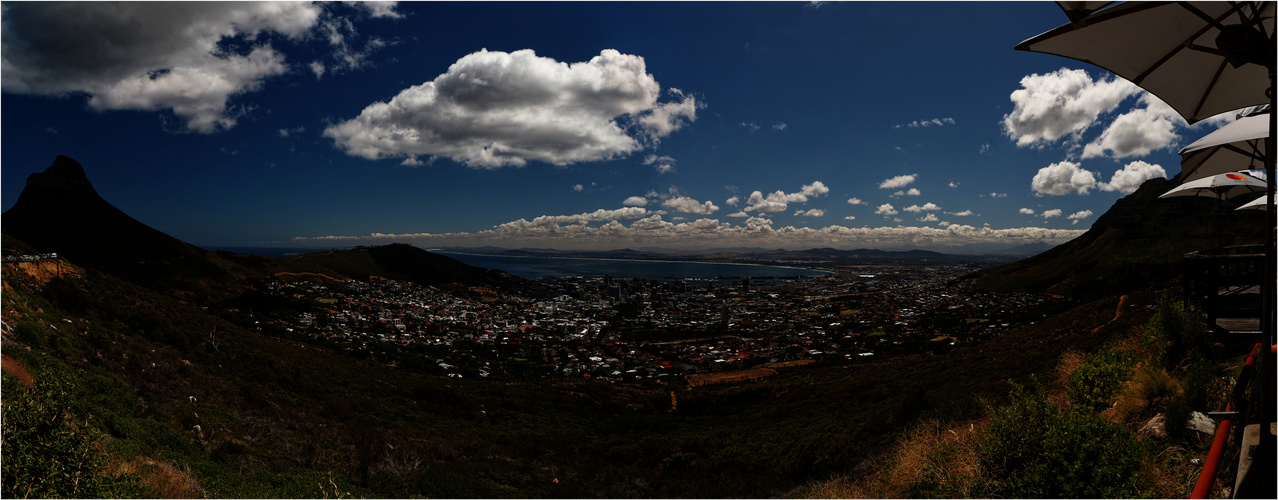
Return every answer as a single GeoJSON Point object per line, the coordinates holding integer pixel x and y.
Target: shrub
{"type": "Point", "coordinates": [1086, 457]}
{"type": "Point", "coordinates": [32, 334]}
{"type": "Point", "coordinates": [1093, 386]}
{"type": "Point", "coordinates": [1013, 440]}
{"type": "Point", "coordinates": [1174, 333]}
{"type": "Point", "coordinates": [48, 449]}
{"type": "Point", "coordinates": [1032, 450]}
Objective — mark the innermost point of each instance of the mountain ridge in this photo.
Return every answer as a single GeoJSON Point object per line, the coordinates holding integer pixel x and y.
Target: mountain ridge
{"type": "Point", "coordinates": [60, 211]}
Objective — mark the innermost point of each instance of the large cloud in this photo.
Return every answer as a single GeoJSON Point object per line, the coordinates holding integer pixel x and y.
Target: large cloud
{"type": "Point", "coordinates": [1132, 175]}
{"type": "Point", "coordinates": [1063, 178]}
{"type": "Point", "coordinates": [175, 63]}
{"type": "Point", "coordinates": [1064, 102]}
{"type": "Point", "coordinates": [494, 109]}
{"type": "Point", "coordinates": [1138, 132]}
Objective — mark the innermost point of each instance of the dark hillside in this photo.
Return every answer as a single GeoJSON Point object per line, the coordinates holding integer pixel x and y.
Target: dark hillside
{"type": "Point", "coordinates": [397, 261]}
{"type": "Point", "coordinates": [1138, 243]}
{"type": "Point", "coordinates": [59, 211]}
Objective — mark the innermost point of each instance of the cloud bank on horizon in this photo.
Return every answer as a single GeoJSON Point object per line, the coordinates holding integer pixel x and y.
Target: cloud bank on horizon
{"type": "Point", "coordinates": [598, 121]}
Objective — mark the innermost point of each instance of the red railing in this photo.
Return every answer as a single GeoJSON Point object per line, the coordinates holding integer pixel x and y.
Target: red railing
{"type": "Point", "coordinates": [1208, 476]}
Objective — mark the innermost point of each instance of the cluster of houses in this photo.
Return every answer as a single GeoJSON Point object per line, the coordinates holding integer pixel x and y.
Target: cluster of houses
{"type": "Point", "coordinates": [633, 329]}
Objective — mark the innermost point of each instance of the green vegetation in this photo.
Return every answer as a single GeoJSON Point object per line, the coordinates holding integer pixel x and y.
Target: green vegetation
{"type": "Point", "coordinates": [1031, 449]}
{"type": "Point", "coordinates": [1093, 385]}
{"type": "Point", "coordinates": [49, 447]}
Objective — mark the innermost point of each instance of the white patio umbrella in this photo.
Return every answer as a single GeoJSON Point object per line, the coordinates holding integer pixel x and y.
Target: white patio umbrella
{"type": "Point", "coordinates": [1201, 58]}
{"type": "Point", "coordinates": [1219, 186]}
{"type": "Point", "coordinates": [1232, 147]}
{"type": "Point", "coordinates": [1256, 204]}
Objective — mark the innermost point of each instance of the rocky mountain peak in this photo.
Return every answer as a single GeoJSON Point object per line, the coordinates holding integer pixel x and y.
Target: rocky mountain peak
{"type": "Point", "coordinates": [64, 174]}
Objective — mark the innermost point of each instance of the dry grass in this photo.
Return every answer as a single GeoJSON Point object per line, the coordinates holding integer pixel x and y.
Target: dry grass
{"type": "Point", "coordinates": [164, 479]}
{"type": "Point", "coordinates": [930, 460]}
{"type": "Point", "coordinates": [1069, 362]}
{"type": "Point", "coordinates": [1148, 392]}
{"type": "Point", "coordinates": [1173, 474]}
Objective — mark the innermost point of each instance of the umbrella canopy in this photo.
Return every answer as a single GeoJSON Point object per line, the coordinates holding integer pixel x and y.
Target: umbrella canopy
{"type": "Point", "coordinates": [1220, 186]}
{"type": "Point", "coordinates": [1201, 58]}
{"type": "Point", "coordinates": [1233, 147]}
{"type": "Point", "coordinates": [1256, 204]}
{"type": "Point", "coordinates": [1076, 11]}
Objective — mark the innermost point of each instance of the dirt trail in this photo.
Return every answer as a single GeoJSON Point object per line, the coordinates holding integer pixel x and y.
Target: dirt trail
{"type": "Point", "coordinates": [1117, 314]}
{"type": "Point", "coordinates": [16, 369]}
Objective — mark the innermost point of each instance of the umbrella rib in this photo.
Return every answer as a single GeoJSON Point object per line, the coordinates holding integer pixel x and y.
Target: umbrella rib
{"type": "Point", "coordinates": [1215, 78]}
{"type": "Point", "coordinates": [1254, 154]}
{"type": "Point", "coordinates": [1187, 44]}
{"type": "Point", "coordinates": [1211, 21]}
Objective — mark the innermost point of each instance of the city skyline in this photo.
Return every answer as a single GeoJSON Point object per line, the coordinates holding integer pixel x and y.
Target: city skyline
{"type": "Point", "coordinates": [581, 125]}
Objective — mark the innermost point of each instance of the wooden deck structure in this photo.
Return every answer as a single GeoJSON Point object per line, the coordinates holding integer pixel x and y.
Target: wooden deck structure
{"type": "Point", "coordinates": [1226, 284]}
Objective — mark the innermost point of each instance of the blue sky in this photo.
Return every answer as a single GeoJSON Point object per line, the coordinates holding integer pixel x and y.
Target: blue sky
{"type": "Point", "coordinates": [887, 125]}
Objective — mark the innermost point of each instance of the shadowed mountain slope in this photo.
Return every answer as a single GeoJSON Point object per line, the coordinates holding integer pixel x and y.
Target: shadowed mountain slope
{"type": "Point", "coordinates": [59, 211]}
{"type": "Point", "coordinates": [1138, 242]}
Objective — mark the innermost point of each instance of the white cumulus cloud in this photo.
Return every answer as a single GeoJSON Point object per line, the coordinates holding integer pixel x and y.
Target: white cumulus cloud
{"type": "Point", "coordinates": [1065, 102]}
{"type": "Point", "coordinates": [1132, 175]}
{"type": "Point", "coordinates": [855, 201]}
{"type": "Point", "coordinates": [779, 201]}
{"type": "Point", "coordinates": [635, 201]}
{"type": "Point", "coordinates": [815, 212]}
{"type": "Point", "coordinates": [1027, 211]}
{"type": "Point", "coordinates": [920, 208]}
{"type": "Point", "coordinates": [1055, 212]}
{"type": "Point", "coordinates": [1063, 178]}
{"type": "Point", "coordinates": [175, 63]}
{"type": "Point", "coordinates": [898, 181]}
{"type": "Point", "coordinates": [689, 205]}
{"type": "Point", "coordinates": [1138, 132]}
{"type": "Point", "coordinates": [1080, 215]}
{"type": "Point", "coordinates": [493, 109]}
{"type": "Point", "coordinates": [886, 209]}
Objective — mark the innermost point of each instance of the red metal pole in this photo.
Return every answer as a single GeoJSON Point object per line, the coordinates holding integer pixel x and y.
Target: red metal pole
{"type": "Point", "coordinates": [1208, 476]}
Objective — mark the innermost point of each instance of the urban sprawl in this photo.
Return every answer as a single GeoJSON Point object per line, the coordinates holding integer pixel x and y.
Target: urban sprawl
{"type": "Point", "coordinates": [634, 329]}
